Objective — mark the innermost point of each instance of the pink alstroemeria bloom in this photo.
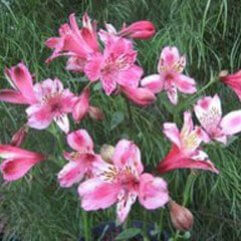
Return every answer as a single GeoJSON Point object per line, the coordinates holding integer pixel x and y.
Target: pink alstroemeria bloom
{"type": "Point", "coordinates": [209, 113]}
{"type": "Point", "coordinates": [17, 161]}
{"type": "Point", "coordinates": [170, 77]}
{"type": "Point", "coordinates": [138, 30]}
{"type": "Point", "coordinates": [80, 161]}
{"type": "Point", "coordinates": [233, 81]}
{"type": "Point", "coordinates": [115, 66]}
{"type": "Point", "coordinates": [185, 151]}
{"type": "Point", "coordinates": [82, 107]}
{"type": "Point", "coordinates": [74, 42]}
{"type": "Point", "coordinates": [122, 182]}
{"type": "Point", "coordinates": [53, 103]}
{"type": "Point", "coordinates": [20, 79]}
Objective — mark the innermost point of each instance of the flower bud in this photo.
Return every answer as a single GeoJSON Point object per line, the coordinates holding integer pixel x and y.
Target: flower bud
{"type": "Point", "coordinates": [139, 30]}
{"type": "Point", "coordinates": [96, 113]}
{"type": "Point", "coordinates": [222, 74]}
{"type": "Point", "coordinates": [19, 136]}
{"type": "Point", "coordinates": [181, 217]}
{"type": "Point", "coordinates": [107, 152]}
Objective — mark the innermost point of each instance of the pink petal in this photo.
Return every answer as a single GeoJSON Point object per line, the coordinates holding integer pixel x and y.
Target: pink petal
{"type": "Point", "coordinates": [108, 83]}
{"type": "Point", "coordinates": [76, 64]}
{"type": "Point", "coordinates": [187, 124]}
{"type": "Point", "coordinates": [13, 169]}
{"type": "Point", "coordinates": [22, 79]}
{"type": "Point", "coordinates": [130, 77]}
{"type": "Point", "coordinates": [72, 172]}
{"type": "Point", "coordinates": [81, 106]}
{"type": "Point", "coordinates": [80, 141]}
{"type": "Point", "coordinates": [90, 39]}
{"type": "Point", "coordinates": [96, 113]}
{"type": "Point", "coordinates": [93, 66]}
{"type": "Point", "coordinates": [63, 122]}
{"type": "Point", "coordinates": [13, 152]}
{"type": "Point", "coordinates": [52, 42]}
{"type": "Point", "coordinates": [153, 192]}
{"type": "Point", "coordinates": [125, 201]}
{"type": "Point", "coordinates": [140, 96]}
{"type": "Point", "coordinates": [97, 195]}
{"type": "Point", "coordinates": [170, 60]}
{"type": "Point", "coordinates": [175, 159]}
{"type": "Point", "coordinates": [172, 95]}
{"type": "Point", "coordinates": [19, 136]}
{"type": "Point", "coordinates": [185, 84]}
{"type": "Point", "coordinates": [127, 153]}
{"type": "Point", "coordinates": [39, 117]}
{"type": "Point", "coordinates": [12, 96]}
{"type": "Point", "coordinates": [231, 123]}
{"type": "Point", "coordinates": [153, 82]}
{"type": "Point", "coordinates": [172, 133]}
{"type": "Point", "coordinates": [208, 111]}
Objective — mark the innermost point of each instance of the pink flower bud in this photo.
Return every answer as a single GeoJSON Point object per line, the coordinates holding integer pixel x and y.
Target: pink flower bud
{"type": "Point", "coordinates": [96, 113]}
{"type": "Point", "coordinates": [181, 217]}
{"type": "Point", "coordinates": [19, 136]}
{"type": "Point", "coordinates": [107, 152]}
{"type": "Point", "coordinates": [139, 30]}
{"type": "Point", "coordinates": [81, 106]}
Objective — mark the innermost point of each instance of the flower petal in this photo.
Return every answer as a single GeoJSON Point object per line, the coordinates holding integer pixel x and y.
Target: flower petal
{"type": "Point", "coordinates": [125, 201]}
{"type": "Point", "coordinates": [63, 122]}
{"type": "Point", "coordinates": [127, 153]}
{"type": "Point", "coordinates": [71, 173]}
{"type": "Point", "coordinates": [175, 159]}
{"type": "Point", "coordinates": [12, 96]}
{"type": "Point", "coordinates": [97, 195]}
{"type": "Point", "coordinates": [185, 84]}
{"type": "Point", "coordinates": [80, 141]}
{"type": "Point", "coordinates": [153, 192]}
{"type": "Point", "coordinates": [172, 94]}
{"type": "Point", "coordinates": [231, 123]}
{"type": "Point", "coordinates": [172, 133]}
{"type": "Point", "coordinates": [153, 82]}
{"type": "Point", "coordinates": [14, 169]}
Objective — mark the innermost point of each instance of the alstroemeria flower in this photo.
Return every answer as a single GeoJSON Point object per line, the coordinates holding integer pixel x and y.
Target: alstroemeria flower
{"type": "Point", "coordinates": [122, 182]}
{"type": "Point", "coordinates": [138, 30]}
{"type": "Point", "coordinates": [17, 161]}
{"type": "Point", "coordinates": [186, 151]}
{"type": "Point", "coordinates": [20, 79]}
{"type": "Point", "coordinates": [170, 77]}
{"type": "Point", "coordinates": [19, 136]}
{"type": "Point", "coordinates": [233, 81]}
{"type": "Point", "coordinates": [74, 42]}
{"type": "Point", "coordinates": [115, 66]}
{"type": "Point", "coordinates": [80, 161]}
{"type": "Point", "coordinates": [54, 103]}
{"type": "Point", "coordinates": [209, 113]}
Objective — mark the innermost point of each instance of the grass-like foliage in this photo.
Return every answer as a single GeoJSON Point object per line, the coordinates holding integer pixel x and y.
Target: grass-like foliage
{"type": "Point", "coordinates": [207, 31]}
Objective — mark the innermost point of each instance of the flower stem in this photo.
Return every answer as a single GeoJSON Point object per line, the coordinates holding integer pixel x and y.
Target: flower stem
{"type": "Point", "coordinates": [129, 111]}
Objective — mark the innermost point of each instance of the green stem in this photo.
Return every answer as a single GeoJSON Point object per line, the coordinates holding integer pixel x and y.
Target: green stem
{"type": "Point", "coordinates": [129, 111]}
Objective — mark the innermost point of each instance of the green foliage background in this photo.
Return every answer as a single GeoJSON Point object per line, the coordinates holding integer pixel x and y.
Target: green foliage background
{"type": "Point", "coordinates": [207, 31]}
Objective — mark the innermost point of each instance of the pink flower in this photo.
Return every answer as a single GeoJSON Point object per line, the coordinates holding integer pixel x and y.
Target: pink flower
{"type": "Point", "coordinates": [185, 151]}
{"type": "Point", "coordinates": [170, 77]}
{"type": "Point", "coordinates": [80, 161]}
{"type": "Point", "coordinates": [233, 81]}
{"type": "Point", "coordinates": [74, 42]}
{"type": "Point", "coordinates": [137, 30]}
{"type": "Point", "coordinates": [140, 96]}
{"type": "Point", "coordinates": [21, 80]}
{"type": "Point", "coordinates": [209, 113]}
{"type": "Point", "coordinates": [115, 66]}
{"type": "Point", "coordinates": [122, 182]}
{"type": "Point", "coordinates": [17, 161]}
{"type": "Point", "coordinates": [54, 103]}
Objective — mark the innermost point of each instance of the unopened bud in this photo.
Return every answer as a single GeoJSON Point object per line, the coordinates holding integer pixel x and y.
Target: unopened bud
{"type": "Point", "coordinates": [222, 74]}
{"type": "Point", "coordinates": [181, 217]}
{"type": "Point", "coordinates": [107, 152]}
{"type": "Point", "coordinates": [96, 113]}
{"type": "Point", "coordinates": [19, 136]}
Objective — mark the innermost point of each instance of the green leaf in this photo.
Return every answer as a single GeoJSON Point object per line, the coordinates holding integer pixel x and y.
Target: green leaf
{"type": "Point", "coordinates": [117, 118]}
{"type": "Point", "coordinates": [97, 87]}
{"type": "Point", "coordinates": [128, 233]}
